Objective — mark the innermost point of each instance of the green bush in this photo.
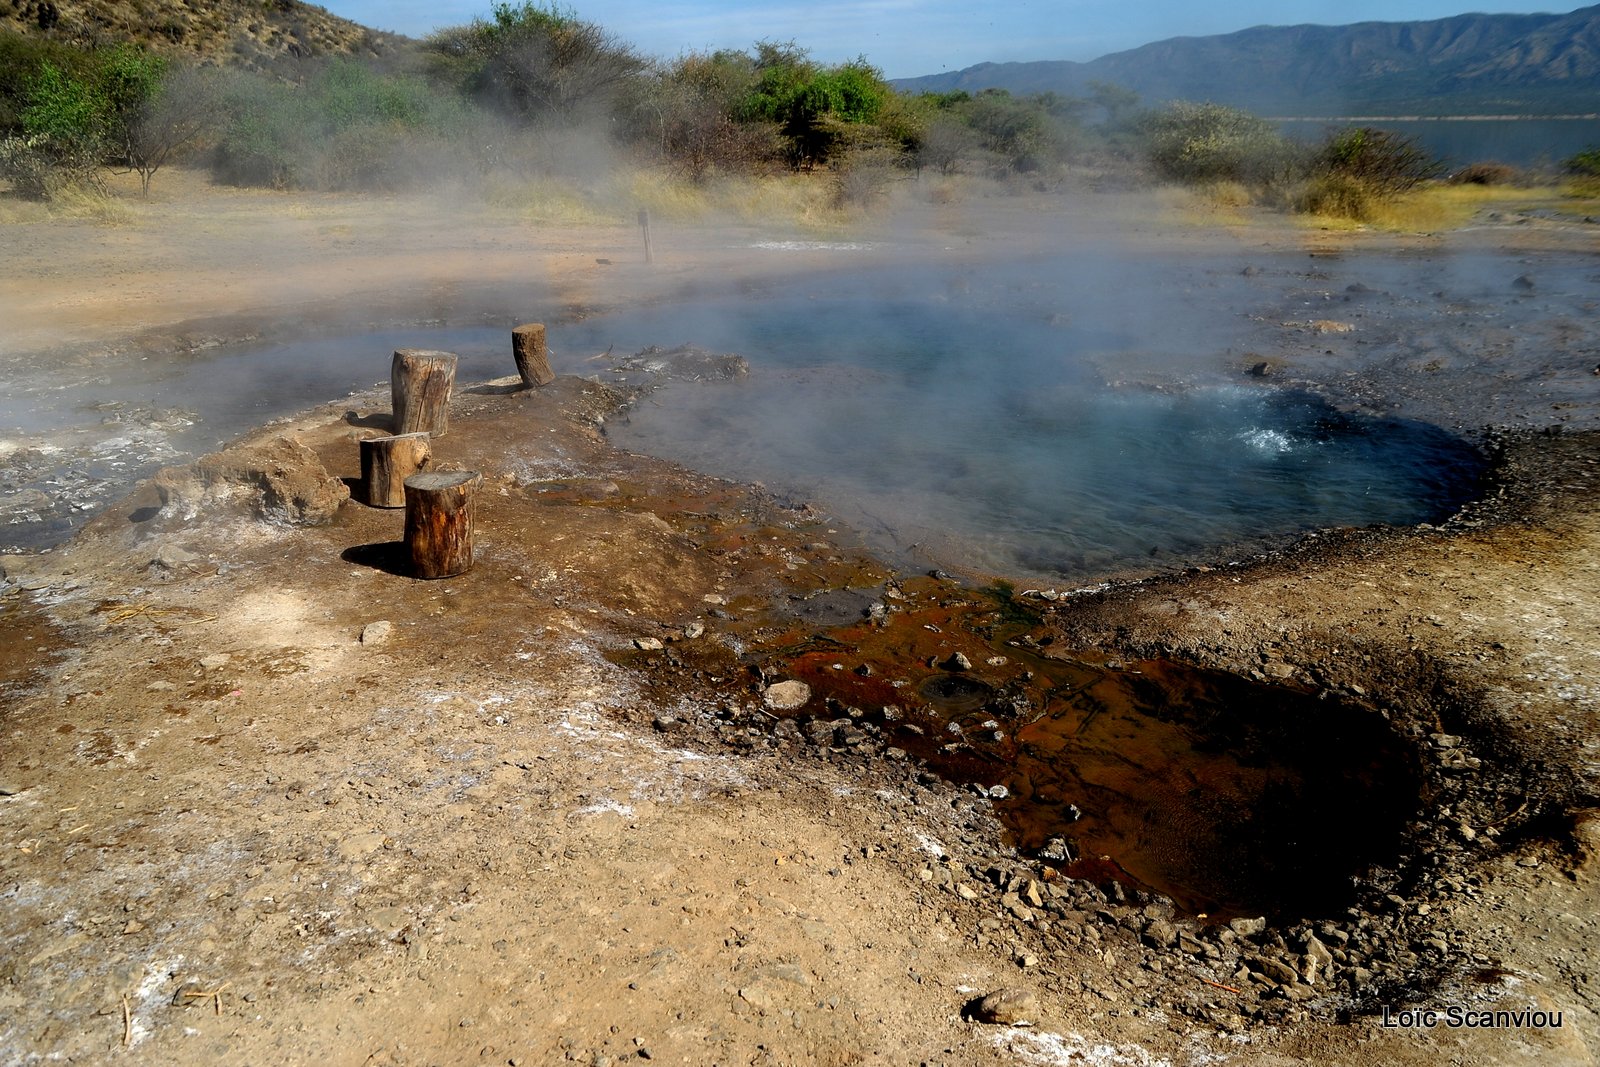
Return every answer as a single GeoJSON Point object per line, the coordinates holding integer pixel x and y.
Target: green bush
{"type": "Point", "coordinates": [1585, 163]}
{"type": "Point", "coordinates": [1196, 143]}
{"type": "Point", "coordinates": [1385, 162]}
{"type": "Point", "coordinates": [1020, 133]}
{"type": "Point", "coordinates": [541, 64]}
{"type": "Point", "coordinates": [347, 127]}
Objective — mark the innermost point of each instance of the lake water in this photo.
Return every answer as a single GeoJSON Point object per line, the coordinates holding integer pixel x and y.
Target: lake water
{"type": "Point", "coordinates": [1533, 142]}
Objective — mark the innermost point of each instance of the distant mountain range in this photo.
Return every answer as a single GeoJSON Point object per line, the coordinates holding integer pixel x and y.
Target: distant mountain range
{"type": "Point", "coordinates": [1468, 64]}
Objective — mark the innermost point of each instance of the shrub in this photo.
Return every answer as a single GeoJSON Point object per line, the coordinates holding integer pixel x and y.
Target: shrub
{"type": "Point", "coordinates": [1585, 163]}
{"type": "Point", "coordinates": [1191, 142]}
{"type": "Point", "coordinates": [542, 64]}
{"type": "Point", "coordinates": [1337, 196]}
{"type": "Point", "coordinates": [1020, 132]}
{"type": "Point", "coordinates": [1484, 174]}
{"type": "Point", "coordinates": [1385, 162]}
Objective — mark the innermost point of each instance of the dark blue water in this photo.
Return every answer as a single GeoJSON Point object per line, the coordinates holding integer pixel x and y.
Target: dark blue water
{"type": "Point", "coordinates": [1538, 142]}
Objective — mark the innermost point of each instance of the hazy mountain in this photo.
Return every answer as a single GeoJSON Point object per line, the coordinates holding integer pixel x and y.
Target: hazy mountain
{"type": "Point", "coordinates": [251, 33]}
{"type": "Point", "coordinates": [1469, 63]}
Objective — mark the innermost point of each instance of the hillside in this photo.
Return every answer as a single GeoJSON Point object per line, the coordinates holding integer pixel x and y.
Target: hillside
{"type": "Point", "coordinates": [1495, 64]}
{"type": "Point", "coordinates": [250, 33]}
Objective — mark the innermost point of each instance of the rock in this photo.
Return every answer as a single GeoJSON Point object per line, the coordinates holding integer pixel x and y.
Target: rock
{"type": "Point", "coordinates": [215, 662]}
{"type": "Point", "coordinates": [376, 633]}
{"type": "Point", "coordinates": [1160, 934]}
{"type": "Point", "coordinates": [173, 558]}
{"type": "Point", "coordinates": [1033, 893]}
{"type": "Point", "coordinates": [1315, 949]}
{"type": "Point", "coordinates": [282, 480]}
{"type": "Point", "coordinates": [648, 644]}
{"type": "Point", "coordinates": [1056, 849]}
{"type": "Point", "coordinates": [1523, 282]}
{"type": "Point", "coordinates": [787, 696]}
{"type": "Point", "coordinates": [694, 631]}
{"type": "Point", "coordinates": [1247, 927]}
{"type": "Point", "coordinates": [958, 662]}
{"type": "Point", "coordinates": [1264, 369]}
{"type": "Point", "coordinates": [1007, 1007]}
{"type": "Point", "coordinates": [1275, 969]}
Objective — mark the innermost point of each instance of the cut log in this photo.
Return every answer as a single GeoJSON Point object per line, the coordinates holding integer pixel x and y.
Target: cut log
{"type": "Point", "coordinates": [439, 522]}
{"type": "Point", "coordinates": [386, 463]}
{"type": "Point", "coordinates": [533, 358]}
{"type": "Point", "coordinates": [421, 382]}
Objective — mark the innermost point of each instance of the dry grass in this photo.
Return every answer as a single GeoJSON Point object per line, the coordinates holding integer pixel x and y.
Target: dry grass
{"type": "Point", "coordinates": [1440, 206]}
{"type": "Point", "coordinates": [77, 204]}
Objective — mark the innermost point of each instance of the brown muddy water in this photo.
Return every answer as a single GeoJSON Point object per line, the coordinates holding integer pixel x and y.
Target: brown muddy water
{"type": "Point", "coordinates": [1228, 796]}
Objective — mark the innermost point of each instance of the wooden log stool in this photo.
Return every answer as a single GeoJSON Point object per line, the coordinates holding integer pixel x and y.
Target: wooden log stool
{"type": "Point", "coordinates": [439, 522]}
{"type": "Point", "coordinates": [386, 463]}
{"type": "Point", "coordinates": [420, 382]}
{"type": "Point", "coordinates": [533, 358]}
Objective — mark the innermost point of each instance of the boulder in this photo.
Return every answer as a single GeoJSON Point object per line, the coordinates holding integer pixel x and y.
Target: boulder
{"type": "Point", "coordinates": [280, 480]}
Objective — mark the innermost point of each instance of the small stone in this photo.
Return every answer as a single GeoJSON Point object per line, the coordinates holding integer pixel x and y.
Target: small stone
{"type": "Point", "coordinates": [966, 892]}
{"type": "Point", "coordinates": [133, 926]}
{"type": "Point", "coordinates": [787, 696]}
{"type": "Point", "coordinates": [215, 662]}
{"type": "Point", "coordinates": [694, 631]}
{"type": "Point", "coordinates": [1033, 893]}
{"type": "Point", "coordinates": [1522, 281]}
{"type": "Point", "coordinates": [171, 557]}
{"type": "Point", "coordinates": [1007, 1007]}
{"type": "Point", "coordinates": [376, 633]}
{"type": "Point", "coordinates": [648, 644]}
{"type": "Point", "coordinates": [958, 662]}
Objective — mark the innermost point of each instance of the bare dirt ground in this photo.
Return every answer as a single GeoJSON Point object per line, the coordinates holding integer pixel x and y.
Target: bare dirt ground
{"type": "Point", "coordinates": [544, 814]}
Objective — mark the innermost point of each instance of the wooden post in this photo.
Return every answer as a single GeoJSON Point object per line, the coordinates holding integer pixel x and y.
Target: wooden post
{"type": "Point", "coordinates": [420, 382]}
{"type": "Point", "coordinates": [439, 522]}
{"type": "Point", "coordinates": [386, 462]}
{"type": "Point", "coordinates": [533, 358]}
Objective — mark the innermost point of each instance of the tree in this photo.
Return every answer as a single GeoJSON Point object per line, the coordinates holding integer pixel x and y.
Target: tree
{"type": "Point", "coordinates": [63, 135]}
{"type": "Point", "coordinates": [543, 64]}
{"type": "Point", "coordinates": [692, 110]}
{"type": "Point", "coordinates": [817, 109]}
{"type": "Point", "coordinates": [184, 110]}
{"type": "Point", "coordinates": [1193, 142]}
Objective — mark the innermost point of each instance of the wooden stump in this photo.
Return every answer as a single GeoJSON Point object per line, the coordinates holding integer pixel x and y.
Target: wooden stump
{"type": "Point", "coordinates": [533, 358]}
{"type": "Point", "coordinates": [420, 382]}
{"type": "Point", "coordinates": [386, 462]}
{"type": "Point", "coordinates": [439, 522]}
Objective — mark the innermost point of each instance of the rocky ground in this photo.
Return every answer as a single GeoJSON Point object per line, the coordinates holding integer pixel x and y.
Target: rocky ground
{"type": "Point", "coordinates": [267, 799]}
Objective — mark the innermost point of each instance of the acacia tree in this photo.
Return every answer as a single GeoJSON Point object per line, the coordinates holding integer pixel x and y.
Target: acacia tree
{"type": "Point", "coordinates": [542, 64]}
{"type": "Point", "coordinates": [184, 109]}
{"type": "Point", "coordinates": [692, 113]}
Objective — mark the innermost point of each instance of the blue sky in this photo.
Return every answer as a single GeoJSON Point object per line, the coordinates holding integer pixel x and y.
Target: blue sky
{"type": "Point", "coordinates": [909, 37]}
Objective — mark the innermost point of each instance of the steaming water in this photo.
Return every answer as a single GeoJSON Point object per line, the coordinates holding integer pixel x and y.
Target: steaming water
{"type": "Point", "coordinates": [983, 433]}
{"type": "Point", "coordinates": [960, 419]}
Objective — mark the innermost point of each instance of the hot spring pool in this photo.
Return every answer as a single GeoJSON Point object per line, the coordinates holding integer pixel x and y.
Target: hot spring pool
{"type": "Point", "coordinates": [983, 421]}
